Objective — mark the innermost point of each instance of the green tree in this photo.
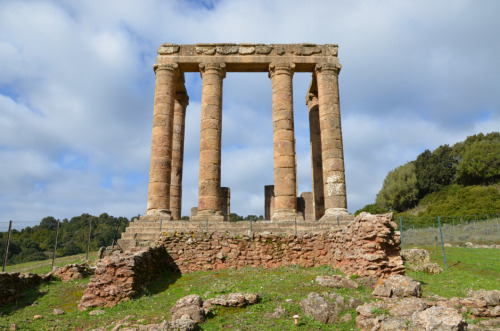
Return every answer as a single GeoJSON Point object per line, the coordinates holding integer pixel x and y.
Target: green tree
{"type": "Point", "coordinates": [480, 162]}
{"type": "Point", "coordinates": [435, 170]}
{"type": "Point", "coordinates": [399, 191]}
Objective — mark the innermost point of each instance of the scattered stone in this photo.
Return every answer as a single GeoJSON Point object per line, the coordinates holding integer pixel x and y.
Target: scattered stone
{"type": "Point", "coordinates": [353, 303]}
{"type": "Point", "coordinates": [336, 281]}
{"type": "Point", "coordinates": [415, 256]}
{"type": "Point", "coordinates": [191, 306]}
{"type": "Point", "coordinates": [36, 317]}
{"type": "Point", "coordinates": [279, 312]}
{"type": "Point", "coordinates": [73, 271]}
{"type": "Point", "coordinates": [398, 286]}
{"type": "Point", "coordinates": [321, 309]}
{"type": "Point", "coordinates": [96, 312]}
{"type": "Point", "coordinates": [346, 318]}
{"type": "Point", "coordinates": [233, 300]}
{"type": "Point", "coordinates": [368, 282]}
{"type": "Point", "coordinates": [439, 318]}
{"type": "Point", "coordinates": [491, 298]}
{"type": "Point", "coordinates": [408, 306]}
{"type": "Point", "coordinates": [418, 260]}
{"type": "Point", "coordinates": [57, 311]}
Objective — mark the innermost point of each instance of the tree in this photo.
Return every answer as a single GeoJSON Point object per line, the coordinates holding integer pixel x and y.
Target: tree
{"type": "Point", "coordinates": [480, 162]}
{"type": "Point", "coordinates": [434, 170]}
{"type": "Point", "coordinates": [399, 191]}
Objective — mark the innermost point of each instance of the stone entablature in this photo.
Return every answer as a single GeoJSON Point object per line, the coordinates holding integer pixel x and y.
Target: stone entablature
{"type": "Point", "coordinates": [248, 57]}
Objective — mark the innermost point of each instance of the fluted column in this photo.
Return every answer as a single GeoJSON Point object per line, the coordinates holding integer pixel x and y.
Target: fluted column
{"type": "Point", "coordinates": [331, 140]}
{"type": "Point", "coordinates": [181, 102]}
{"type": "Point", "coordinates": [285, 175]}
{"type": "Point", "coordinates": [210, 141]}
{"type": "Point", "coordinates": [161, 141]}
{"type": "Point", "coordinates": [316, 158]}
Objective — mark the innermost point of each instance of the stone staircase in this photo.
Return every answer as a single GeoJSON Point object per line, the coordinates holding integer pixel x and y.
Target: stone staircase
{"type": "Point", "coordinates": [146, 229]}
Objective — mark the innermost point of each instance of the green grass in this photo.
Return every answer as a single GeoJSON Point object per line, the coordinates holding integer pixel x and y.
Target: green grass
{"type": "Point", "coordinates": [43, 267]}
{"type": "Point", "coordinates": [468, 269]}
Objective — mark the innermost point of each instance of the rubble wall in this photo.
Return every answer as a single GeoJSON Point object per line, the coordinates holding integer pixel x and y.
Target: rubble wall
{"type": "Point", "coordinates": [369, 246]}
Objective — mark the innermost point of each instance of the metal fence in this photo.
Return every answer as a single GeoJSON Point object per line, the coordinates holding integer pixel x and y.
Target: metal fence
{"type": "Point", "coordinates": [10, 226]}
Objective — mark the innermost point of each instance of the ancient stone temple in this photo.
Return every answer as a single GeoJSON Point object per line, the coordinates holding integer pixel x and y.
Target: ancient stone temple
{"type": "Point", "coordinates": [213, 62]}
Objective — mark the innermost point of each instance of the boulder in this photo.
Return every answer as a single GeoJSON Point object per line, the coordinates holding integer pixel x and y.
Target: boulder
{"type": "Point", "coordinates": [491, 298]}
{"type": "Point", "coordinates": [408, 306]}
{"type": "Point", "coordinates": [321, 309]}
{"type": "Point", "coordinates": [439, 318]}
{"type": "Point", "coordinates": [191, 306]}
{"type": "Point", "coordinates": [398, 286]}
{"type": "Point", "coordinates": [336, 281]}
{"type": "Point", "coordinates": [233, 300]}
{"type": "Point", "coordinates": [415, 256]}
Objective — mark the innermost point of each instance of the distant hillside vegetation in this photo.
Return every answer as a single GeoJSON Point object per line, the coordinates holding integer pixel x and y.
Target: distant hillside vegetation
{"type": "Point", "coordinates": [460, 180]}
{"type": "Point", "coordinates": [37, 242]}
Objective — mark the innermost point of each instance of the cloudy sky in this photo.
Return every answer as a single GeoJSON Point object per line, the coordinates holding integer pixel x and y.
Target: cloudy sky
{"type": "Point", "coordinates": [77, 86]}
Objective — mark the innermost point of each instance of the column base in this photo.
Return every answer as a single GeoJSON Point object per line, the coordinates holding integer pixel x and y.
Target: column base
{"type": "Point", "coordinates": [331, 214]}
{"type": "Point", "coordinates": [163, 214]}
{"type": "Point", "coordinates": [210, 216]}
{"type": "Point", "coordinates": [286, 215]}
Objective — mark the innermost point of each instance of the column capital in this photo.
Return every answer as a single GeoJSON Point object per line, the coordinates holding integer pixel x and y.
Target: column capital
{"type": "Point", "coordinates": [213, 67]}
{"type": "Point", "coordinates": [166, 66]}
{"type": "Point", "coordinates": [335, 67]}
{"type": "Point", "coordinates": [277, 68]}
{"type": "Point", "coordinates": [182, 98]}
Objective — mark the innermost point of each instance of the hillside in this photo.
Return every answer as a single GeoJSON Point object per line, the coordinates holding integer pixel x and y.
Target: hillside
{"type": "Point", "coordinates": [454, 181]}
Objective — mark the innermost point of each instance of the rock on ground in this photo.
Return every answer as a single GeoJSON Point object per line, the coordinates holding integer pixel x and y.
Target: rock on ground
{"type": "Point", "coordinates": [398, 286]}
{"type": "Point", "coordinates": [439, 318]}
{"type": "Point", "coordinates": [321, 309]}
{"type": "Point", "coordinates": [190, 306]}
{"type": "Point", "coordinates": [336, 281]}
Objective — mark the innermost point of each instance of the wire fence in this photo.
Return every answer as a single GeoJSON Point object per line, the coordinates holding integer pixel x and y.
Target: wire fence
{"type": "Point", "coordinates": [456, 230]}
{"type": "Point", "coordinates": [18, 244]}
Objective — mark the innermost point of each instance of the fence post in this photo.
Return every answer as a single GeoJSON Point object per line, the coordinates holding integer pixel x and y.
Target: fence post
{"type": "Point", "coordinates": [295, 218]}
{"type": "Point", "coordinates": [55, 246]}
{"type": "Point", "coordinates": [7, 247]}
{"type": "Point", "coordinates": [251, 226]}
{"type": "Point", "coordinates": [161, 226]}
{"type": "Point", "coordinates": [206, 220]}
{"type": "Point", "coordinates": [338, 222]}
{"type": "Point", "coordinates": [88, 241]}
{"type": "Point", "coordinates": [401, 226]}
{"type": "Point", "coordinates": [442, 242]}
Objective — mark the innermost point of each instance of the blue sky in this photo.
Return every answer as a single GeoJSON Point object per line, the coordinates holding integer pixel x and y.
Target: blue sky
{"type": "Point", "coordinates": [77, 86]}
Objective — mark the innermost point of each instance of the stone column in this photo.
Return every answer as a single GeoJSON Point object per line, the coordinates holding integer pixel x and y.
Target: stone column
{"type": "Point", "coordinates": [161, 142]}
{"type": "Point", "coordinates": [331, 141]}
{"type": "Point", "coordinates": [316, 158]}
{"type": "Point", "coordinates": [210, 141]}
{"type": "Point", "coordinates": [181, 102]}
{"type": "Point", "coordinates": [285, 177]}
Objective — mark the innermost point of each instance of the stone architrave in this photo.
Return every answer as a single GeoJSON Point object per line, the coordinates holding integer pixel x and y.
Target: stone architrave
{"type": "Point", "coordinates": [161, 141]}
{"type": "Point", "coordinates": [181, 102]}
{"type": "Point", "coordinates": [316, 158]}
{"type": "Point", "coordinates": [285, 176]}
{"type": "Point", "coordinates": [210, 141]}
{"type": "Point", "coordinates": [331, 140]}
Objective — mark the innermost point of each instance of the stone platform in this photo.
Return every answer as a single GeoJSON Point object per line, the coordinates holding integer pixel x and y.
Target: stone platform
{"type": "Point", "coordinates": [143, 231]}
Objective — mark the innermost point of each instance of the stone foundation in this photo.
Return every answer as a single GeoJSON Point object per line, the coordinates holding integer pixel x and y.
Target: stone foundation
{"type": "Point", "coordinates": [369, 246]}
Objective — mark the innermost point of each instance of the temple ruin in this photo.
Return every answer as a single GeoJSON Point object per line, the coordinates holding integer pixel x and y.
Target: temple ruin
{"type": "Point", "coordinates": [280, 61]}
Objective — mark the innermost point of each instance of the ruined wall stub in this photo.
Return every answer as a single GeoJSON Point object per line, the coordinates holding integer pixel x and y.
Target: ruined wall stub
{"type": "Point", "coordinates": [280, 61]}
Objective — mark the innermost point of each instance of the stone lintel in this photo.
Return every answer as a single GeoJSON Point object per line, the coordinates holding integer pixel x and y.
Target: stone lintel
{"type": "Point", "coordinates": [248, 57]}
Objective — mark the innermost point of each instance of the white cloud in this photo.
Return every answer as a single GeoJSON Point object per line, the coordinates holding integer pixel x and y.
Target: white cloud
{"type": "Point", "coordinates": [77, 86]}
